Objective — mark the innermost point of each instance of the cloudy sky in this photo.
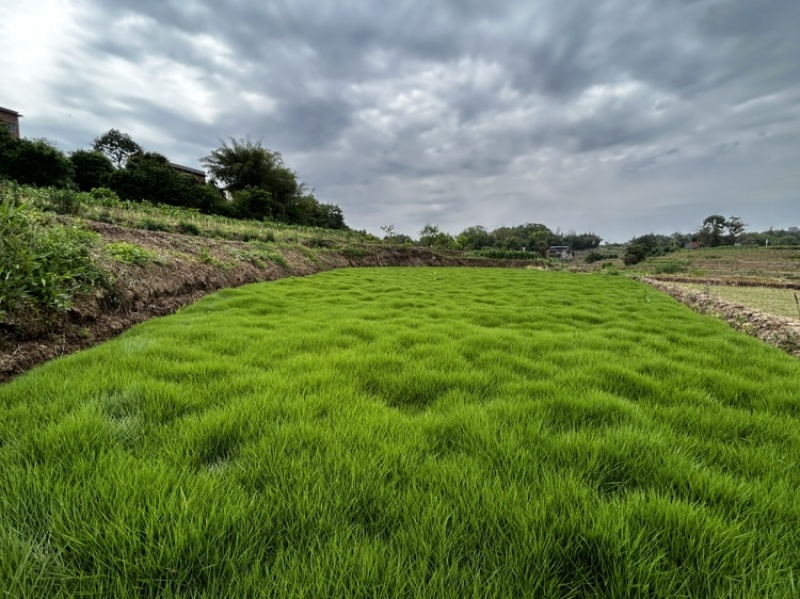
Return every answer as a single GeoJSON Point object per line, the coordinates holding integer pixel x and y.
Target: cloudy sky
{"type": "Point", "coordinates": [620, 117]}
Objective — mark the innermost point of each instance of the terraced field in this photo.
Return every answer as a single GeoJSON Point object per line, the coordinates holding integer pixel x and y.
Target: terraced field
{"type": "Point", "coordinates": [425, 432]}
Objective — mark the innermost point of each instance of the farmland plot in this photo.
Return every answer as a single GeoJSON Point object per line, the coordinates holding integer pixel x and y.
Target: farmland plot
{"type": "Point", "coordinates": [408, 432]}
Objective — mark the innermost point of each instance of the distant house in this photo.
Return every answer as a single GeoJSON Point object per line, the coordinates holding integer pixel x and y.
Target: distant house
{"type": "Point", "coordinates": [10, 118]}
{"type": "Point", "coordinates": [692, 245]}
{"type": "Point", "coordinates": [187, 170]}
{"type": "Point", "coordinates": [564, 252]}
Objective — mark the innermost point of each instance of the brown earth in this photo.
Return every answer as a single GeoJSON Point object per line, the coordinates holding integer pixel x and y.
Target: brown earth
{"type": "Point", "coordinates": [191, 268]}
{"type": "Point", "coordinates": [729, 281]}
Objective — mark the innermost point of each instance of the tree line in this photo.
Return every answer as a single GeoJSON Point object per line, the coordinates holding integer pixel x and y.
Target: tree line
{"type": "Point", "coordinates": [529, 237]}
{"type": "Point", "coordinates": [716, 230]}
{"type": "Point", "coordinates": [247, 180]}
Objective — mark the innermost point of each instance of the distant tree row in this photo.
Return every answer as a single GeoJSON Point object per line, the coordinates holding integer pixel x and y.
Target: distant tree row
{"type": "Point", "coordinates": [715, 231]}
{"type": "Point", "coordinates": [531, 237]}
{"type": "Point", "coordinates": [255, 183]}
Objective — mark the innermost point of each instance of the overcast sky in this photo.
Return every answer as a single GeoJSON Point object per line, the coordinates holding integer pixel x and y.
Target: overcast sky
{"type": "Point", "coordinates": [621, 117]}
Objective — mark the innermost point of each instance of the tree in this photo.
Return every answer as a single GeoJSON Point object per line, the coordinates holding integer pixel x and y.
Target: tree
{"type": "Point", "coordinates": [118, 146]}
{"type": "Point", "coordinates": [431, 236]}
{"type": "Point", "coordinates": [7, 147]}
{"type": "Point", "coordinates": [244, 164]}
{"type": "Point", "coordinates": [92, 169]}
{"type": "Point", "coordinates": [253, 202]}
{"type": "Point", "coordinates": [581, 241]}
{"type": "Point", "coordinates": [38, 162]}
{"type": "Point", "coordinates": [735, 227]}
{"type": "Point", "coordinates": [634, 254]}
{"type": "Point", "coordinates": [474, 238]}
{"type": "Point", "coordinates": [145, 177]}
{"type": "Point", "coordinates": [711, 230]}
{"type": "Point", "coordinates": [150, 177]}
{"type": "Point", "coordinates": [264, 187]}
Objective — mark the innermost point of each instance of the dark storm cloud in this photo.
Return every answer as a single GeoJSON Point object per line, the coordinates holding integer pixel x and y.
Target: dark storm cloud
{"type": "Point", "coordinates": [458, 104]}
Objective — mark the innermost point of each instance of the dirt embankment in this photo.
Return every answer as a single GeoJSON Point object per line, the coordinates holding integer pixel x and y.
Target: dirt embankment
{"type": "Point", "coordinates": [781, 332]}
{"type": "Point", "coordinates": [191, 267]}
{"type": "Point", "coordinates": [727, 281]}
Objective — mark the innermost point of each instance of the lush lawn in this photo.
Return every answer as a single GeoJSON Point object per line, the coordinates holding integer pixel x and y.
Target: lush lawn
{"type": "Point", "coordinates": [408, 433]}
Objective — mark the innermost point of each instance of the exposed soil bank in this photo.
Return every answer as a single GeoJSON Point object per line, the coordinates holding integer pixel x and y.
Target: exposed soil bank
{"type": "Point", "coordinates": [729, 281]}
{"type": "Point", "coordinates": [192, 268]}
{"type": "Point", "coordinates": [783, 333]}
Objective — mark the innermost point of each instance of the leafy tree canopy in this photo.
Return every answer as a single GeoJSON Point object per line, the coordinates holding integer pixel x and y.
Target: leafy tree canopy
{"type": "Point", "coordinates": [92, 169]}
{"type": "Point", "coordinates": [118, 146]}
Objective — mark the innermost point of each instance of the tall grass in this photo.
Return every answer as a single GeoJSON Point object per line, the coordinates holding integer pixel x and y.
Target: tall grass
{"type": "Point", "coordinates": [43, 263]}
{"type": "Point", "coordinates": [408, 432]}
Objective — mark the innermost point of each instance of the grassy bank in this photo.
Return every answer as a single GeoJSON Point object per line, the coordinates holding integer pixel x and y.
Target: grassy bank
{"type": "Point", "coordinates": [408, 432]}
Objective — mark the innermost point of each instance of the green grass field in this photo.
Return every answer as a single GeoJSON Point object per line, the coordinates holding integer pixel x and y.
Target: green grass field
{"type": "Point", "coordinates": [408, 433]}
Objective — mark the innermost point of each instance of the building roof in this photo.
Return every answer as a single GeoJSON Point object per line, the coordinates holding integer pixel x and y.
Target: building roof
{"type": "Point", "coordinates": [9, 111]}
{"type": "Point", "coordinates": [188, 169]}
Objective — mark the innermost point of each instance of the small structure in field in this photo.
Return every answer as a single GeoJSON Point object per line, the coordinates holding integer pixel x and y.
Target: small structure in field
{"type": "Point", "coordinates": [563, 252]}
{"type": "Point", "coordinates": [693, 245]}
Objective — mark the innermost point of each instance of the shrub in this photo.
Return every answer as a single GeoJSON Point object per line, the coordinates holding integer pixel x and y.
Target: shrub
{"type": "Point", "coordinates": [44, 264]}
{"type": "Point", "coordinates": [92, 169]}
{"type": "Point", "coordinates": [634, 254]}
{"type": "Point", "coordinates": [64, 201]}
{"type": "Point", "coordinates": [130, 253]}
{"type": "Point", "coordinates": [501, 254]}
{"type": "Point", "coordinates": [671, 267]}
{"type": "Point", "coordinates": [150, 224]}
{"type": "Point", "coordinates": [188, 228]}
{"type": "Point", "coordinates": [38, 162]}
{"type": "Point", "coordinates": [103, 196]}
{"type": "Point", "coordinates": [593, 257]}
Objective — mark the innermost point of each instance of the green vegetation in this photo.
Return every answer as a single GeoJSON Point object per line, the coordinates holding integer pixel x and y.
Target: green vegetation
{"type": "Point", "coordinates": [102, 204]}
{"type": "Point", "coordinates": [408, 432]}
{"type": "Point", "coordinates": [782, 302]}
{"type": "Point", "coordinates": [727, 262]}
{"type": "Point", "coordinates": [44, 263]}
{"type": "Point", "coordinates": [262, 187]}
{"type": "Point", "coordinates": [130, 253]}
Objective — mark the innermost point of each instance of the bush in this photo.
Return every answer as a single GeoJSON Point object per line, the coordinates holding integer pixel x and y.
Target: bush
{"type": "Point", "coordinates": [188, 228]}
{"type": "Point", "coordinates": [501, 254]}
{"type": "Point", "coordinates": [44, 264]}
{"type": "Point", "coordinates": [64, 201]}
{"type": "Point", "coordinates": [103, 196]}
{"type": "Point", "coordinates": [671, 267]}
{"type": "Point", "coordinates": [37, 162]}
{"type": "Point", "coordinates": [92, 169]}
{"type": "Point", "coordinates": [593, 257]}
{"type": "Point", "coordinates": [149, 224]}
{"type": "Point", "coordinates": [130, 253]}
{"type": "Point", "coordinates": [634, 254]}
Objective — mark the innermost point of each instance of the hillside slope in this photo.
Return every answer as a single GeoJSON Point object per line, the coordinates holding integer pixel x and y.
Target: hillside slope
{"type": "Point", "coordinates": [172, 270]}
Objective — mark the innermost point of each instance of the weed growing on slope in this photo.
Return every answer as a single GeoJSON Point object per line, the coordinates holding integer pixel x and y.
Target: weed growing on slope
{"type": "Point", "coordinates": [130, 253]}
{"type": "Point", "coordinates": [408, 432]}
{"type": "Point", "coordinates": [44, 264]}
